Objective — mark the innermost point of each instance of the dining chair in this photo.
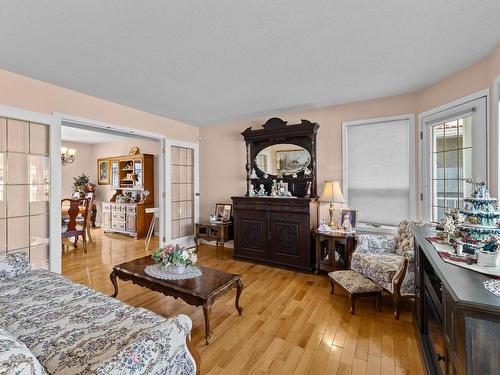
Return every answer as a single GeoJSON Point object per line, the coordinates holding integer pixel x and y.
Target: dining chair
{"type": "Point", "coordinates": [72, 226]}
{"type": "Point", "coordinates": [91, 198]}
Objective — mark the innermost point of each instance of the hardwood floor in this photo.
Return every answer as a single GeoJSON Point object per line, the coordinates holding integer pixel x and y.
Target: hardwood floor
{"type": "Point", "coordinates": [290, 323]}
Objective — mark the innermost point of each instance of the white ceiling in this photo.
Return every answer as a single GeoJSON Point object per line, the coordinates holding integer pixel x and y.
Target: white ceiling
{"type": "Point", "coordinates": [204, 62]}
{"type": "Point", "coordinates": [70, 134]}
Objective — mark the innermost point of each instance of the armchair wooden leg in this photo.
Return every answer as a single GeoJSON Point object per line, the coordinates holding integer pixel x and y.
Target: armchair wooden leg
{"type": "Point", "coordinates": [333, 286]}
{"type": "Point", "coordinates": [395, 299]}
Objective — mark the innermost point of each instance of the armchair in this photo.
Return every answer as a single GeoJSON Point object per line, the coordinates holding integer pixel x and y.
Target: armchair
{"type": "Point", "coordinates": [389, 261]}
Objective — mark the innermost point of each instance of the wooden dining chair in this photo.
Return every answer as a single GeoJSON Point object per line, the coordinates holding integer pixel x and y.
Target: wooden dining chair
{"type": "Point", "coordinates": [91, 198]}
{"type": "Point", "coordinates": [72, 226]}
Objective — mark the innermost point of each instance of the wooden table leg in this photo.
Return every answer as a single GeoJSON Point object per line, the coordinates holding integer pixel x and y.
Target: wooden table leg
{"type": "Point", "coordinates": [239, 289]}
{"type": "Point", "coordinates": [207, 311]}
{"type": "Point", "coordinates": [221, 241]}
{"type": "Point", "coordinates": [112, 277]}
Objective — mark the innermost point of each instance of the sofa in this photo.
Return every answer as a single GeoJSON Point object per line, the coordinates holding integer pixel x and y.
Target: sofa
{"type": "Point", "coordinates": [389, 261]}
{"type": "Point", "coordinates": [51, 325]}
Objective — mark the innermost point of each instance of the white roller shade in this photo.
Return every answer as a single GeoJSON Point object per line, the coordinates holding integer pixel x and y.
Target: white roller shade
{"type": "Point", "coordinates": [378, 170]}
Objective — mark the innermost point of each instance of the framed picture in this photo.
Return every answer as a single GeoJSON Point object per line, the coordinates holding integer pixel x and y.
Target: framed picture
{"type": "Point", "coordinates": [103, 171]}
{"type": "Point", "coordinates": [292, 161]}
{"type": "Point", "coordinates": [349, 219]}
{"type": "Point", "coordinates": [223, 211]}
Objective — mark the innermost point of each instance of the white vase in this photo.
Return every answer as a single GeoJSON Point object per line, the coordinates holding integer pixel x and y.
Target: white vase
{"type": "Point", "coordinates": [460, 248]}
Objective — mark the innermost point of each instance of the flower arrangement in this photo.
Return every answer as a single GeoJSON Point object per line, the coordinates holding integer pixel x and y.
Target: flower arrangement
{"type": "Point", "coordinates": [450, 224]}
{"type": "Point", "coordinates": [175, 257]}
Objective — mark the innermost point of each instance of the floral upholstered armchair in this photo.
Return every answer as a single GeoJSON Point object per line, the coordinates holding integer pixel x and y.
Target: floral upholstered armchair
{"type": "Point", "coordinates": [388, 261]}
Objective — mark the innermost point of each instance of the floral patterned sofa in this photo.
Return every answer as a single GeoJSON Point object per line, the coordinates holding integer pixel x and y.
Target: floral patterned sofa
{"type": "Point", "coordinates": [388, 261]}
{"type": "Point", "coordinates": [72, 329]}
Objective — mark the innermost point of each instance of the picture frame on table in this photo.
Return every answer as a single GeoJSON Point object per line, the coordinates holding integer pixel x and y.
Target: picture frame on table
{"type": "Point", "coordinates": [349, 216]}
{"type": "Point", "coordinates": [223, 211]}
{"type": "Point", "coordinates": [103, 172]}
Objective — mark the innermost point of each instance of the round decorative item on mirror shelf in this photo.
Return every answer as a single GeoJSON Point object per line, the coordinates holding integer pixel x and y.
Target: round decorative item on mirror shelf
{"type": "Point", "coordinates": [134, 151]}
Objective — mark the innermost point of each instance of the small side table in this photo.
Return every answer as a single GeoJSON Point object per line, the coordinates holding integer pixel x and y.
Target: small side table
{"type": "Point", "coordinates": [219, 232]}
{"type": "Point", "coordinates": [333, 250]}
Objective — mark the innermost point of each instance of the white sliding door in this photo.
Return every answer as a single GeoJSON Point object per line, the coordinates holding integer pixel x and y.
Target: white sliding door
{"type": "Point", "coordinates": [182, 197]}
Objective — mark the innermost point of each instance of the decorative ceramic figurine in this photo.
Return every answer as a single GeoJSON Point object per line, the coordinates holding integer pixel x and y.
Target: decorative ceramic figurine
{"type": "Point", "coordinates": [251, 191]}
{"type": "Point", "coordinates": [307, 171]}
{"type": "Point", "coordinates": [266, 175]}
{"type": "Point", "coordinates": [253, 174]}
{"type": "Point", "coordinates": [279, 174]}
{"type": "Point", "coordinates": [346, 222]}
{"type": "Point", "coordinates": [294, 175]}
{"type": "Point", "coordinates": [262, 191]}
{"type": "Point", "coordinates": [274, 190]}
{"type": "Point", "coordinates": [212, 217]}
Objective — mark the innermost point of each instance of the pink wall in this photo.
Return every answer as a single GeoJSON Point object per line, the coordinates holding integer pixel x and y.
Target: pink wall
{"type": "Point", "coordinates": [84, 163]}
{"type": "Point", "coordinates": [222, 150]}
{"type": "Point", "coordinates": [30, 94]}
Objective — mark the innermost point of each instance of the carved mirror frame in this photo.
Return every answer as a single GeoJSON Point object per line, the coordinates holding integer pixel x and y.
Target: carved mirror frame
{"type": "Point", "coordinates": [276, 131]}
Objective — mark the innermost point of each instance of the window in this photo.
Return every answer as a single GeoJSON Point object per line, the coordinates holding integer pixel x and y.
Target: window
{"type": "Point", "coordinates": [454, 148]}
{"type": "Point", "coordinates": [379, 168]}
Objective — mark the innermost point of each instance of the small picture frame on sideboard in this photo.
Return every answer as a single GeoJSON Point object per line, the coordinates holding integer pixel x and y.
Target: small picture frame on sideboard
{"type": "Point", "coordinates": [349, 219]}
{"type": "Point", "coordinates": [223, 211]}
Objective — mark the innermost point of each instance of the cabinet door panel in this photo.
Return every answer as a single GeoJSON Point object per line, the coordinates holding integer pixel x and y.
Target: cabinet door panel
{"type": "Point", "coordinates": [130, 223]}
{"type": "Point", "coordinates": [251, 234]}
{"type": "Point", "coordinates": [289, 241]}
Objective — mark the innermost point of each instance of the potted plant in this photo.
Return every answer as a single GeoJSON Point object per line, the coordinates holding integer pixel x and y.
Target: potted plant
{"type": "Point", "coordinates": [80, 182]}
{"type": "Point", "coordinates": [174, 257]}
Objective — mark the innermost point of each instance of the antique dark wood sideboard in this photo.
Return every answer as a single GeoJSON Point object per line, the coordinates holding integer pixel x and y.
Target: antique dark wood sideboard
{"type": "Point", "coordinates": [458, 320]}
{"type": "Point", "coordinates": [276, 230]}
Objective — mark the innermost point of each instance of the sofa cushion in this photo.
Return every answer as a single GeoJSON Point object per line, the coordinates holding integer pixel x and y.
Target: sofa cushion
{"type": "Point", "coordinates": [381, 268]}
{"type": "Point", "coordinates": [72, 329]}
{"type": "Point", "coordinates": [14, 264]}
{"type": "Point", "coordinates": [15, 358]}
{"type": "Point", "coordinates": [376, 243]}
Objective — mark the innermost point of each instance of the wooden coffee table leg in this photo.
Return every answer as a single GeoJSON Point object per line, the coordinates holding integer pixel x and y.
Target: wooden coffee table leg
{"type": "Point", "coordinates": [112, 277]}
{"type": "Point", "coordinates": [239, 289]}
{"type": "Point", "coordinates": [207, 311]}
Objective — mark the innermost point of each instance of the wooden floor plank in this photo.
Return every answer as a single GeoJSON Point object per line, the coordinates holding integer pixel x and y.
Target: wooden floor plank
{"type": "Point", "coordinates": [290, 322]}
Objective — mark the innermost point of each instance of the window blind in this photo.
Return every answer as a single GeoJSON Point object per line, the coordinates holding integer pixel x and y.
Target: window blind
{"type": "Point", "coordinates": [378, 171]}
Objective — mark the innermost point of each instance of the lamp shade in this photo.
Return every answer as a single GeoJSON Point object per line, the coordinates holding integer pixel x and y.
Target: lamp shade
{"type": "Point", "coordinates": [332, 192]}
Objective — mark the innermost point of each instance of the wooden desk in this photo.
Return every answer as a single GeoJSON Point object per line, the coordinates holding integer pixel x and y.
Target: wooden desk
{"type": "Point", "coordinates": [219, 232]}
{"type": "Point", "coordinates": [333, 250]}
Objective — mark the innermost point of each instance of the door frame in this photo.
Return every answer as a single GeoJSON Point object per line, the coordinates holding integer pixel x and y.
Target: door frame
{"type": "Point", "coordinates": [56, 177]}
{"type": "Point", "coordinates": [188, 240]}
{"type": "Point", "coordinates": [54, 158]}
{"type": "Point", "coordinates": [428, 117]}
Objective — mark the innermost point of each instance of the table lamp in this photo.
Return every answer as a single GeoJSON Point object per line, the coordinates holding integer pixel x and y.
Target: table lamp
{"type": "Point", "coordinates": [332, 194]}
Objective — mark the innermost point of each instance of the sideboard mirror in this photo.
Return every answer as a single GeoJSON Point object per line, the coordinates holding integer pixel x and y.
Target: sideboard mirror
{"type": "Point", "coordinates": [284, 153]}
{"type": "Point", "coordinates": [284, 158]}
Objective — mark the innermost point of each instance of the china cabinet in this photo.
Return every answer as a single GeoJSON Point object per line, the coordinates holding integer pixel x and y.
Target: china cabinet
{"type": "Point", "coordinates": [133, 175]}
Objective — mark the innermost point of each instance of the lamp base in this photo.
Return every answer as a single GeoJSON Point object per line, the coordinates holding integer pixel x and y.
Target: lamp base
{"type": "Point", "coordinates": [332, 223]}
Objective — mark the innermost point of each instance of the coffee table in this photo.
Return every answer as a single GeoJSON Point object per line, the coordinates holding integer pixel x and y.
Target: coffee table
{"type": "Point", "coordinates": [199, 291]}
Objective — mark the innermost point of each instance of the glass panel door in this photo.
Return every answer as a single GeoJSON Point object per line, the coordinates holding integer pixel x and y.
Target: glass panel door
{"type": "Point", "coordinates": [182, 192]}
{"type": "Point", "coordinates": [451, 164]}
{"type": "Point", "coordinates": [454, 148]}
{"type": "Point", "coordinates": [24, 190]}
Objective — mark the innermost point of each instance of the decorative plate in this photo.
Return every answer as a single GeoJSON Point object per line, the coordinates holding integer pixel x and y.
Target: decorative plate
{"type": "Point", "coordinates": [493, 286]}
{"type": "Point", "coordinates": [161, 272]}
{"type": "Point", "coordinates": [134, 151]}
